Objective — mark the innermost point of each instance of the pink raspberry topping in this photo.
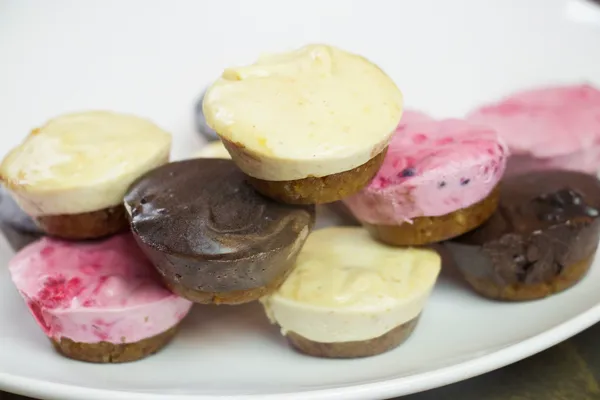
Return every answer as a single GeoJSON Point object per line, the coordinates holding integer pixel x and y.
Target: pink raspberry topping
{"type": "Point", "coordinates": [104, 290]}
{"type": "Point", "coordinates": [59, 292]}
{"type": "Point", "coordinates": [546, 122]}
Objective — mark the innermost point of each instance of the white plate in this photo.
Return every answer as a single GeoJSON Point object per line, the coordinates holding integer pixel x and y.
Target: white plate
{"type": "Point", "coordinates": [153, 58]}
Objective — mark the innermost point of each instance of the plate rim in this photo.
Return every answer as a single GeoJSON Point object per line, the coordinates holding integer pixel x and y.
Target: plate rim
{"type": "Point", "coordinates": [390, 388]}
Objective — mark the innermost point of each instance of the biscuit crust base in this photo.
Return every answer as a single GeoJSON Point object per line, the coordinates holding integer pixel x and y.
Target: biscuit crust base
{"type": "Point", "coordinates": [570, 276]}
{"type": "Point", "coordinates": [89, 225]}
{"type": "Point", "coordinates": [363, 348]}
{"type": "Point", "coordinates": [105, 352]}
{"type": "Point", "coordinates": [428, 230]}
{"type": "Point", "coordinates": [326, 189]}
{"type": "Point", "coordinates": [234, 297]}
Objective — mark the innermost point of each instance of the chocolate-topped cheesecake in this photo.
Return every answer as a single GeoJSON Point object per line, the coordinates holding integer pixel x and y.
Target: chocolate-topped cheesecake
{"type": "Point", "coordinates": [210, 235]}
{"type": "Point", "coordinates": [542, 239]}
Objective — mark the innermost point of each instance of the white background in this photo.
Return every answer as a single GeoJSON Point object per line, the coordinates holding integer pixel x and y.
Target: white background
{"type": "Point", "coordinates": [153, 58]}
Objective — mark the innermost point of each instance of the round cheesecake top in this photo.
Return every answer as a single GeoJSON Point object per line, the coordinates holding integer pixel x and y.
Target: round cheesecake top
{"type": "Point", "coordinates": [95, 291]}
{"type": "Point", "coordinates": [347, 286]}
{"type": "Point", "coordinates": [82, 162]}
{"type": "Point", "coordinates": [213, 150]}
{"type": "Point", "coordinates": [539, 201]}
{"type": "Point", "coordinates": [314, 111]}
{"type": "Point", "coordinates": [546, 122]}
{"type": "Point", "coordinates": [431, 168]}
{"type": "Point", "coordinates": [204, 209]}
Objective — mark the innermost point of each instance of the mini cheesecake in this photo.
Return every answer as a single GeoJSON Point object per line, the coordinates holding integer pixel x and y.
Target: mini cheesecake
{"type": "Point", "coordinates": [213, 239]}
{"type": "Point", "coordinates": [542, 239]}
{"type": "Point", "coordinates": [97, 301]}
{"type": "Point", "coordinates": [548, 128]}
{"type": "Point", "coordinates": [70, 175]}
{"type": "Point", "coordinates": [438, 180]}
{"type": "Point", "coordinates": [307, 127]}
{"type": "Point", "coordinates": [351, 296]}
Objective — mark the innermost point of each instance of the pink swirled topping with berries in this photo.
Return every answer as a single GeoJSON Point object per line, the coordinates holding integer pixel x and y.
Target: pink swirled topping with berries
{"type": "Point", "coordinates": [95, 291]}
{"type": "Point", "coordinates": [432, 168]}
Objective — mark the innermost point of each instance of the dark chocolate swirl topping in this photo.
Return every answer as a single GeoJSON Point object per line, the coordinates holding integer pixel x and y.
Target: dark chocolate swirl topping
{"type": "Point", "coordinates": [204, 209]}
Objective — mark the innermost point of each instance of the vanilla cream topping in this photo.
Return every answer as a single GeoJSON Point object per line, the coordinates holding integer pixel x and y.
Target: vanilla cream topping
{"type": "Point", "coordinates": [82, 162]}
{"type": "Point", "coordinates": [212, 150]}
{"type": "Point", "coordinates": [314, 111]}
{"type": "Point", "coordinates": [348, 287]}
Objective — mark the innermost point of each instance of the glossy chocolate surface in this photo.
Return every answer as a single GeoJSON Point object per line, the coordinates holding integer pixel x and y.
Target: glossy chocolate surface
{"type": "Point", "coordinates": [546, 221]}
{"type": "Point", "coordinates": [206, 229]}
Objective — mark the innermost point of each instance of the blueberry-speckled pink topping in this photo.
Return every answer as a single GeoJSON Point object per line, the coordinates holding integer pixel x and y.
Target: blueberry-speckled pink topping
{"type": "Point", "coordinates": [546, 122]}
{"type": "Point", "coordinates": [432, 168]}
{"type": "Point", "coordinates": [95, 291]}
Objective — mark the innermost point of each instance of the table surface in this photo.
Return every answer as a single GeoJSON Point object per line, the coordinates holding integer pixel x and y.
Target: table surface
{"type": "Point", "coordinates": [568, 371]}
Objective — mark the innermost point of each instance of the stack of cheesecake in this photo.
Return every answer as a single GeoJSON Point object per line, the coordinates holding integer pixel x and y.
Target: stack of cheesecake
{"type": "Point", "coordinates": [124, 240]}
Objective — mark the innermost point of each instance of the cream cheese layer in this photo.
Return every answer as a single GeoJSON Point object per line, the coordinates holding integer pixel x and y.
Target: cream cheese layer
{"type": "Point", "coordinates": [348, 287]}
{"type": "Point", "coordinates": [82, 162]}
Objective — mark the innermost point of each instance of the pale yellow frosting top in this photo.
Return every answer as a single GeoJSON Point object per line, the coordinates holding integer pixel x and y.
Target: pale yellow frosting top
{"type": "Point", "coordinates": [314, 111]}
{"type": "Point", "coordinates": [347, 286]}
{"type": "Point", "coordinates": [82, 162]}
